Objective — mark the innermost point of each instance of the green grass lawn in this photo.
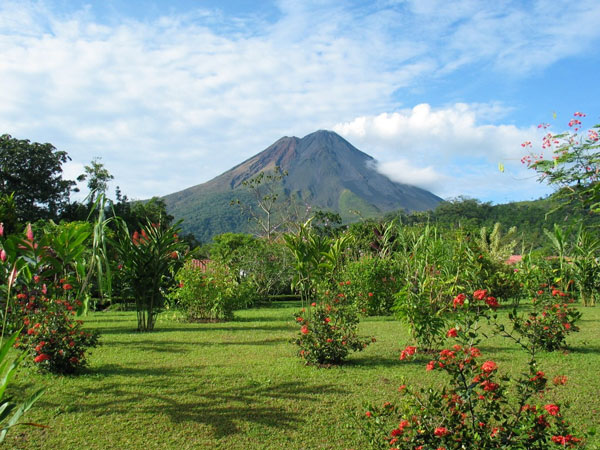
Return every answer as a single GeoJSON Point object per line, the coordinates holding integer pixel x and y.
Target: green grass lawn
{"type": "Point", "coordinates": [239, 385]}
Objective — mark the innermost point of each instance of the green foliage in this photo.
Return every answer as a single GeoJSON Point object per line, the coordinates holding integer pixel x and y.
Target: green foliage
{"type": "Point", "coordinates": [267, 267]}
{"type": "Point", "coordinates": [46, 276]}
{"type": "Point", "coordinates": [372, 282]}
{"type": "Point", "coordinates": [494, 245]}
{"type": "Point", "coordinates": [229, 247]}
{"type": "Point", "coordinates": [33, 173]}
{"type": "Point", "coordinates": [328, 331]}
{"type": "Point", "coordinates": [212, 293]}
{"type": "Point", "coordinates": [137, 213]}
{"type": "Point", "coordinates": [11, 412]}
{"type": "Point", "coordinates": [496, 276]}
{"type": "Point", "coordinates": [57, 342]}
{"type": "Point", "coordinates": [97, 177]}
{"type": "Point", "coordinates": [574, 167]}
{"type": "Point", "coordinates": [149, 259]}
{"type": "Point", "coordinates": [8, 213]}
{"type": "Point", "coordinates": [317, 258]}
{"type": "Point", "coordinates": [586, 266]}
{"type": "Point", "coordinates": [433, 268]}
{"type": "Point", "coordinates": [476, 408]}
{"type": "Point", "coordinates": [552, 319]}
{"type": "Point", "coordinates": [269, 209]}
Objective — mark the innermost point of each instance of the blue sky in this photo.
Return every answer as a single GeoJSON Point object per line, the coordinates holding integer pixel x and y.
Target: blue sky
{"type": "Point", "coordinates": [170, 94]}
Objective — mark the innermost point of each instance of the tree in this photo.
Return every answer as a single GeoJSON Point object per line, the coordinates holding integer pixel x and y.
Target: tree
{"type": "Point", "coordinates": [33, 172]}
{"type": "Point", "coordinates": [575, 164]}
{"type": "Point", "coordinates": [97, 177]}
{"type": "Point", "coordinates": [136, 213]}
{"type": "Point", "coordinates": [265, 188]}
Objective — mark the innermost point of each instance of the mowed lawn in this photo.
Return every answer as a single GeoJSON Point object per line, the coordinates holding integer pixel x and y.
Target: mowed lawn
{"type": "Point", "coordinates": [240, 385]}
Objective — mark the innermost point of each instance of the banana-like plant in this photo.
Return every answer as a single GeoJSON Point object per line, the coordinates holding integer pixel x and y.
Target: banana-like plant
{"type": "Point", "coordinates": [11, 412]}
{"type": "Point", "coordinates": [148, 259]}
{"type": "Point", "coordinates": [316, 257]}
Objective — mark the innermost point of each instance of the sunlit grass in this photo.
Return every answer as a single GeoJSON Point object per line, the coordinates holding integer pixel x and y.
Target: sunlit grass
{"type": "Point", "coordinates": [240, 385]}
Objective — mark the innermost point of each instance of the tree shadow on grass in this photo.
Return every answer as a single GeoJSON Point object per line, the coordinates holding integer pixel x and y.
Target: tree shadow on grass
{"type": "Point", "coordinates": [185, 346]}
{"type": "Point", "coordinates": [194, 329]}
{"type": "Point", "coordinates": [377, 361]}
{"type": "Point", "coordinates": [223, 407]}
{"type": "Point", "coordinates": [584, 349]}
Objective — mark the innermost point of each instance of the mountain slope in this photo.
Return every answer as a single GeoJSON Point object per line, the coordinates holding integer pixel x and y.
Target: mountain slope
{"type": "Point", "coordinates": [324, 171]}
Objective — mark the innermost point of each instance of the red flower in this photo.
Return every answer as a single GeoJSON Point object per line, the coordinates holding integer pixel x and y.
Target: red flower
{"type": "Point", "coordinates": [370, 294]}
{"type": "Point", "coordinates": [304, 330]}
{"type": "Point", "coordinates": [313, 304]}
{"type": "Point", "coordinates": [29, 232]}
{"type": "Point", "coordinates": [489, 366]}
{"type": "Point", "coordinates": [21, 296]}
{"type": "Point", "coordinates": [299, 319]}
{"type": "Point", "coordinates": [40, 358]}
{"type": "Point", "coordinates": [474, 352]}
{"type": "Point", "coordinates": [327, 320]}
{"type": "Point", "coordinates": [560, 379]}
{"type": "Point", "coordinates": [539, 375]}
{"type": "Point", "coordinates": [430, 365]}
{"type": "Point", "coordinates": [67, 287]}
{"type": "Point", "coordinates": [492, 302]}
{"type": "Point", "coordinates": [441, 431]}
{"type": "Point", "coordinates": [552, 409]}
{"type": "Point", "coordinates": [3, 255]}
{"type": "Point", "coordinates": [368, 414]}
{"type": "Point", "coordinates": [452, 332]}
{"type": "Point", "coordinates": [408, 351]}
{"type": "Point", "coordinates": [488, 386]}
{"type": "Point", "coordinates": [564, 440]}
{"type": "Point", "coordinates": [480, 294]}
{"type": "Point", "coordinates": [459, 300]}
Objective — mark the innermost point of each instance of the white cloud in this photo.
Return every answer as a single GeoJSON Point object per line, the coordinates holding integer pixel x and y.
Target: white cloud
{"type": "Point", "coordinates": [173, 101]}
{"type": "Point", "coordinates": [405, 172]}
{"type": "Point", "coordinates": [447, 150]}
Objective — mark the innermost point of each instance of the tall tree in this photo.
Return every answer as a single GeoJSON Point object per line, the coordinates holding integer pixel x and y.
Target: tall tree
{"type": "Point", "coordinates": [33, 172]}
{"type": "Point", "coordinates": [97, 177]}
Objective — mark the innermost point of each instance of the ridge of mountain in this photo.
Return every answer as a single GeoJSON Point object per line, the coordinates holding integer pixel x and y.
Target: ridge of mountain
{"type": "Point", "coordinates": [324, 170]}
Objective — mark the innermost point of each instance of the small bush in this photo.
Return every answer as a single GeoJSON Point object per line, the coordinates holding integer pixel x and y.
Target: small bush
{"type": "Point", "coordinates": [328, 331]}
{"type": "Point", "coordinates": [552, 319]}
{"type": "Point", "coordinates": [372, 282]}
{"type": "Point", "coordinates": [212, 294]}
{"type": "Point", "coordinates": [55, 339]}
{"type": "Point", "coordinates": [474, 411]}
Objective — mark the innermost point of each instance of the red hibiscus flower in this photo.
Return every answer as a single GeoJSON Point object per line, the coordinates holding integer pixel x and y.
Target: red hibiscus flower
{"type": "Point", "coordinates": [489, 366]}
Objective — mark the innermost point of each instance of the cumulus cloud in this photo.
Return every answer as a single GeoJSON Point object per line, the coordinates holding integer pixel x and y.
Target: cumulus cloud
{"type": "Point", "coordinates": [447, 150]}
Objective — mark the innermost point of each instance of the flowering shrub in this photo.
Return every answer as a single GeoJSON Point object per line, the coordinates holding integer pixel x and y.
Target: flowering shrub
{"type": "Point", "coordinates": [473, 411]}
{"type": "Point", "coordinates": [372, 283]}
{"type": "Point", "coordinates": [476, 409]}
{"type": "Point", "coordinates": [328, 331]}
{"type": "Point", "coordinates": [211, 294]}
{"type": "Point", "coordinates": [53, 336]}
{"type": "Point", "coordinates": [149, 259]}
{"type": "Point", "coordinates": [552, 319]}
{"type": "Point", "coordinates": [42, 305]}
